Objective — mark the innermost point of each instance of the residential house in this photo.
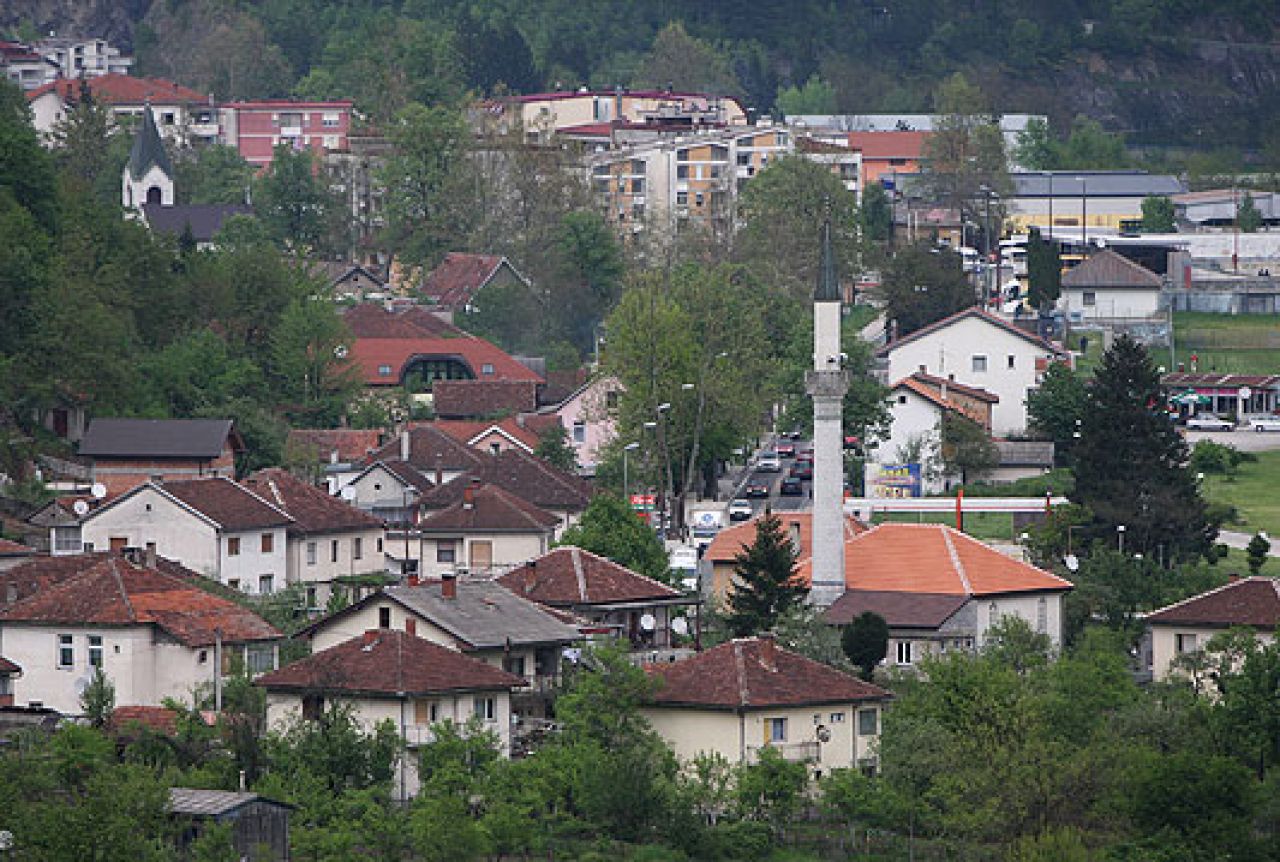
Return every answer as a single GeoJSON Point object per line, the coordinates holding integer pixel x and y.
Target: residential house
{"type": "Point", "coordinates": [1184, 627]}
{"type": "Point", "coordinates": [886, 154]}
{"type": "Point", "coordinates": [82, 58]}
{"type": "Point", "coordinates": [589, 415]}
{"type": "Point", "coordinates": [522, 431]}
{"type": "Point", "coordinates": [940, 589]}
{"type": "Point", "coordinates": [838, 156]}
{"type": "Point", "coordinates": [127, 452]}
{"type": "Point", "coordinates": [480, 618]}
{"type": "Point", "coordinates": [374, 320]}
{"type": "Point", "coordinates": [9, 671]}
{"type": "Point", "coordinates": [631, 606]}
{"type": "Point", "coordinates": [1109, 286]}
{"type": "Point", "coordinates": [453, 284]}
{"type": "Point", "coordinates": [214, 526]}
{"type": "Point", "coordinates": [54, 528]}
{"type": "Point", "coordinates": [489, 530]}
{"type": "Point", "coordinates": [184, 116]}
{"type": "Point", "coordinates": [526, 476]}
{"type": "Point", "coordinates": [542, 115]}
{"type": "Point", "coordinates": [25, 67]}
{"type": "Point", "coordinates": [436, 455]}
{"type": "Point", "coordinates": [332, 452]}
{"type": "Point", "coordinates": [353, 280]}
{"type": "Point", "coordinates": [483, 399]}
{"type": "Point", "coordinates": [391, 675]}
{"type": "Point", "coordinates": [981, 351]}
{"type": "Point", "coordinates": [388, 490]}
{"type": "Point", "coordinates": [739, 698]}
{"type": "Point", "coordinates": [259, 826]}
{"type": "Point", "coordinates": [328, 538]}
{"type": "Point", "coordinates": [717, 565]}
{"type": "Point", "coordinates": [153, 634]}
{"type": "Point", "coordinates": [13, 554]}
{"type": "Point", "coordinates": [255, 129]}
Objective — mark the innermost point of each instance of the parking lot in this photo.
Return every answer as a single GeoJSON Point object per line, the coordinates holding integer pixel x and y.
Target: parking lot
{"type": "Point", "coordinates": [1246, 440]}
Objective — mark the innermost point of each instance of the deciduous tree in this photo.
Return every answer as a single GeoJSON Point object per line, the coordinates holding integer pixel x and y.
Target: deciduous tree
{"type": "Point", "coordinates": [923, 284]}
{"type": "Point", "coordinates": [1157, 214]}
{"type": "Point", "coordinates": [610, 528]}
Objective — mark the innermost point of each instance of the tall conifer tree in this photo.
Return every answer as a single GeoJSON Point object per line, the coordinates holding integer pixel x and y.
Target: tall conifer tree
{"type": "Point", "coordinates": [765, 584]}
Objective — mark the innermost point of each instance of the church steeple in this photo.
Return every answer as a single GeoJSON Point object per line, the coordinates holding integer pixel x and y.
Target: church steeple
{"type": "Point", "coordinates": [148, 175]}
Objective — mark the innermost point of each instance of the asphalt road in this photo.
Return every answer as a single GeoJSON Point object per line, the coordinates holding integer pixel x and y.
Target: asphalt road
{"type": "Point", "coordinates": [1245, 440]}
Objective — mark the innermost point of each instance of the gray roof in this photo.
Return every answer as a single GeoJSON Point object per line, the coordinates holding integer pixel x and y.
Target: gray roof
{"type": "Point", "coordinates": [1025, 453]}
{"type": "Point", "coordinates": [156, 438]}
{"type": "Point", "coordinates": [1095, 184]}
{"type": "Point", "coordinates": [1107, 268]}
{"type": "Point", "coordinates": [899, 610]}
{"type": "Point", "coordinates": [148, 149]}
{"type": "Point", "coordinates": [212, 803]}
{"type": "Point", "coordinates": [205, 220]}
{"type": "Point", "coordinates": [485, 614]}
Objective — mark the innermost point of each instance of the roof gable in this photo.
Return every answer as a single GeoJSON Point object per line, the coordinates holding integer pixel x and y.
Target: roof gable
{"type": "Point", "coordinates": [572, 576]}
{"type": "Point", "coordinates": [1253, 601]}
{"type": "Point", "coordinates": [460, 276]}
{"type": "Point", "coordinates": [731, 540]}
{"type": "Point", "coordinates": [524, 475]}
{"type": "Point", "coordinates": [227, 503]}
{"type": "Point", "coordinates": [116, 89]}
{"type": "Point", "coordinates": [975, 313]}
{"type": "Point", "coordinates": [488, 507]}
{"type": "Point", "coordinates": [312, 509]}
{"type": "Point", "coordinates": [1107, 268]}
{"type": "Point", "coordinates": [148, 150]}
{"type": "Point", "coordinates": [430, 449]}
{"type": "Point", "coordinates": [371, 320]}
{"type": "Point", "coordinates": [467, 398]}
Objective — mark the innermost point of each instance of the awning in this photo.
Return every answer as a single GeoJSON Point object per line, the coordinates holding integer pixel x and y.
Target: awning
{"type": "Point", "coordinates": [1190, 397]}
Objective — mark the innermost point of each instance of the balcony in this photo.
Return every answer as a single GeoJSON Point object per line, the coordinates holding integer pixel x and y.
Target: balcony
{"type": "Point", "coordinates": [795, 752]}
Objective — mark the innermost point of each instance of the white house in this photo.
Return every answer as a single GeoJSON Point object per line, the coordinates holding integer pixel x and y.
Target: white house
{"type": "Point", "coordinates": [1249, 603]}
{"type": "Point", "coordinates": [489, 531]}
{"type": "Point", "coordinates": [388, 675]}
{"type": "Point", "coordinates": [154, 634]}
{"type": "Point", "coordinates": [215, 526]}
{"type": "Point", "coordinates": [978, 350]}
{"type": "Point", "coordinates": [1110, 286]}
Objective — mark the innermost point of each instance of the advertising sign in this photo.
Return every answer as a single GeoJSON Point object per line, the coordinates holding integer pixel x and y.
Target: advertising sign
{"type": "Point", "coordinates": [895, 480]}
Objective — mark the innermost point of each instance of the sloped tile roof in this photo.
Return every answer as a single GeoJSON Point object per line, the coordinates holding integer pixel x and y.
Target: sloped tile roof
{"type": "Point", "coordinates": [466, 398]}
{"type": "Point", "coordinates": [39, 573]}
{"type": "Point", "coordinates": [408, 474]}
{"type": "Point", "coordinates": [751, 673]}
{"type": "Point", "coordinates": [313, 510]}
{"type": "Point", "coordinates": [430, 449]}
{"type": "Point", "coordinates": [13, 549]}
{"type": "Point", "coordinates": [204, 220]}
{"type": "Point", "coordinates": [371, 320]}
{"type": "Point", "coordinates": [1107, 268]}
{"type": "Point", "coordinates": [489, 509]}
{"type": "Point", "coordinates": [459, 276]}
{"type": "Point", "coordinates": [114, 591]}
{"type": "Point", "coordinates": [158, 438]}
{"type": "Point", "coordinates": [370, 354]}
{"type": "Point", "coordinates": [934, 559]}
{"type": "Point", "coordinates": [351, 444]}
{"type": "Point", "coordinates": [978, 313]}
{"type": "Point", "coordinates": [227, 503]}
{"type": "Point", "coordinates": [730, 541]}
{"type": "Point", "coordinates": [571, 576]}
{"type": "Point", "coordinates": [198, 802]}
{"type": "Point", "coordinates": [117, 89]}
{"type": "Point", "coordinates": [467, 430]}
{"type": "Point", "coordinates": [8, 667]}
{"type": "Point", "coordinates": [899, 610]}
{"type": "Point", "coordinates": [1253, 601]}
{"type": "Point", "coordinates": [889, 145]}
{"type": "Point", "coordinates": [391, 663]}
{"type": "Point", "coordinates": [933, 396]}
{"type": "Point", "coordinates": [938, 383]}
{"type": "Point", "coordinates": [524, 475]}
{"type": "Point", "coordinates": [160, 719]}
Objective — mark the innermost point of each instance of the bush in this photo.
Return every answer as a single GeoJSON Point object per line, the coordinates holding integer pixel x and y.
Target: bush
{"type": "Point", "coordinates": [1211, 457]}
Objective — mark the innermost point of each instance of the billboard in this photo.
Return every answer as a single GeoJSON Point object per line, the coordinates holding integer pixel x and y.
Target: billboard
{"type": "Point", "coordinates": [894, 480]}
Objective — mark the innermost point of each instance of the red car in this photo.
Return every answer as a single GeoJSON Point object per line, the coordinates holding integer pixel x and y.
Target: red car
{"type": "Point", "coordinates": [757, 489]}
{"type": "Point", "coordinates": [786, 450]}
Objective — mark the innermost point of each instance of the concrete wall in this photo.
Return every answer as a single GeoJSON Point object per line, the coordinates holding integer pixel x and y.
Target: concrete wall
{"type": "Point", "coordinates": [509, 550]}
{"type": "Point", "coordinates": [1164, 644]}
{"type": "Point", "coordinates": [1111, 302]}
{"type": "Point", "coordinates": [312, 559]}
{"type": "Point", "coordinates": [1028, 607]}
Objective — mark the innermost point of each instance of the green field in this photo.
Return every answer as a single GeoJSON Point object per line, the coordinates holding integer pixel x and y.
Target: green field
{"type": "Point", "coordinates": [1236, 344]}
{"type": "Point", "coordinates": [1254, 491]}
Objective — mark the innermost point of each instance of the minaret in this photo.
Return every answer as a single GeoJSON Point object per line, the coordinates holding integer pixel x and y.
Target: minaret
{"type": "Point", "coordinates": [827, 384]}
{"type": "Point", "coordinates": [148, 175]}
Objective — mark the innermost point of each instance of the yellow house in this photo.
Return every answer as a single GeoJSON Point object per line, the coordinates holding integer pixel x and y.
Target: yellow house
{"type": "Point", "coordinates": [1185, 627]}
{"type": "Point", "coordinates": [746, 695]}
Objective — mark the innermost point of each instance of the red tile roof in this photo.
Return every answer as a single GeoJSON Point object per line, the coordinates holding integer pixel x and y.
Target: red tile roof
{"type": "Point", "coordinates": [391, 663]}
{"type": "Point", "coordinates": [13, 549]}
{"type": "Point", "coordinates": [467, 430]}
{"type": "Point", "coordinates": [937, 382]}
{"type": "Point", "coordinates": [1251, 601]}
{"type": "Point", "coordinates": [369, 355]}
{"type": "Point", "coordinates": [370, 320]}
{"type": "Point", "coordinates": [730, 541]}
{"type": "Point", "coordinates": [312, 509]}
{"type": "Point", "coordinates": [351, 444]}
{"type": "Point", "coordinates": [527, 476]}
{"type": "Point", "coordinates": [430, 449]}
{"type": "Point", "coordinates": [937, 559]}
{"type": "Point", "coordinates": [123, 90]}
{"type": "Point", "coordinates": [1107, 268]}
{"type": "Point", "coordinates": [228, 503]}
{"type": "Point", "coordinates": [933, 396]}
{"type": "Point", "coordinates": [8, 667]}
{"type": "Point", "coordinates": [889, 145]}
{"type": "Point", "coordinates": [160, 719]}
{"type": "Point", "coordinates": [455, 281]}
{"type": "Point", "coordinates": [116, 592]}
{"type": "Point", "coordinates": [39, 573]}
{"type": "Point", "coordinates": [754, 673]}
{"type": "Point", "coordinates": [467, 398]}
{"type": "Point", "coordinates": [488, 508]}
{"type": "Point", "coordinates": [570, 576]}
{"type": "Point", "coordinates": [973, 311]}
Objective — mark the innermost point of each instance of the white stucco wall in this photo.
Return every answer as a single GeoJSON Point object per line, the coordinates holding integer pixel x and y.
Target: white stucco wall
{"type": "Point", "coordinates": [1164, 644]}
{"type": "Point", "coordinates": [1111, 303]}
{"type": "Point", "coordinates": [992, 608]}
{"type": "Point", "coordinates": [509, 550]}
{"type": "Point", "coordinates": [951, 350]}
{"type": "Point", "coordinates": [302, 569]}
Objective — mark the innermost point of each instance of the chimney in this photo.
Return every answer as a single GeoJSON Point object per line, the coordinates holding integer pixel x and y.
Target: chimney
{"type": "Point", "coordinates": [412, 580]}
{"type": "Point", "coordinates": [333, 456]}
{"type": "Point", "coordinates": [370, 637]}
{"type": "Point", "coordinates": [449, 585]}
{"type": "Point", "coordinates": [411, 627]}
{"type": "Point", "coordinates": [149, 555]}
{"type": "Point", "coordinates": [768, 650]}
{"type": "Point", "coordinates": [924, 369]}
{"type": "Point", "coordinates": [404, 445]}
{"type": "Point", "coordinates": [469, 494]}
{"type": "Point", "coordinates": [943, 391]}
{"type": "Point", "coordinates": [794, 532]}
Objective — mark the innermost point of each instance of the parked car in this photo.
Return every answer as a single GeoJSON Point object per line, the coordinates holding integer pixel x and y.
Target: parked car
{"type": "Point", "coordinates": [757, 489]}
{"type": "Point", "coordinates": [769, 463]}
{"type": "Point", "coordinates": [801, 470]}
{"type": "Point", "coordinates": [741, 509]}
{"type": "Point", "coordinates": [786, 450]}
{"type": "Point", "coordinates": [791, 487]}
{"type": "Point", "coordinates": [1209, 422]}
{"type": "Point", "coordinates": [805, 456]}
{"type": "Point", "coordinates": [1265, 423]}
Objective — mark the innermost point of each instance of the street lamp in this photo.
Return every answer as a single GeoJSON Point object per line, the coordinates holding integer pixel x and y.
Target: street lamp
{"type": "Point", "coordinates": [626, 483]}
{"type": "Point", "coordinates": [1120, 530]}
{"type": "Point", "coordinates": [663, 409]}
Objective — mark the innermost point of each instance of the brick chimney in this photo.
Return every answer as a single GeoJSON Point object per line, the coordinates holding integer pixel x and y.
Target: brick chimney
{"type": "Point", "coordinates": [412, 580]}
{"type": "Point", "coordinates": [469, 494]}
{"type": "Point", "coordinates": [411, 626]}
{"type": "Point", "coordinates": [449, 585]}
{"type": "Point", "coordinates": [768, 651]}
{"type": "Point", "coordinates": [370, 637]}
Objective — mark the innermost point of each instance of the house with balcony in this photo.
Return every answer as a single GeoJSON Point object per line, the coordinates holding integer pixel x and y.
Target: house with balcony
{"type": "Point", "coordinates": [742, 697]}
{"type": "Point", "coordinates": [255, 129]}
{"type": "Point", "coordinates": [25, 67]}
{"type": "Point", "coordinates": [394, 675]}
{"type": "Point", "coordinates": [185, 117]}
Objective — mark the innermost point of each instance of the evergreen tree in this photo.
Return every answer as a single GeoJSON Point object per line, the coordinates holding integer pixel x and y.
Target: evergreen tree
{"type": "Point", "coordinates": [1044, 270]}
{"type": "Point", "coordinates": [765, 584]}
{"type": "Point", "coordinates": [1056, 408]}
{"type": "Point", "coordinates": [1248, 217]}
{"type": "Point", "coordinates": [1157, 214]}
{"type": "Point", "coordinates": [866, 641]}
{"type": "Point", "coordinates": [1257, 551]}
{"type": "Point", "coordinates": [1131, 463]}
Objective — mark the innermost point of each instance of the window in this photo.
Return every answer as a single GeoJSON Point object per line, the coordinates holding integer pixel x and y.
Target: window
{"type": "Point", "coordinates": [904, 652]}
{"type": "Point", "coordinates": [66, 651]}
{"type": "Point", "coordinates": [311, 597]}
{"type": "Point", "coordinates": [167, 118]}
{"type": "Point", "coordinates": [744, 159]}
{"type": "Point", "coordinates": [312, 707]}
{"type": "Point", "coordinates": [268, 542]}
{"type": "Point", "coordinates": [379, 546]}
{"type": "Point", "coordinates": [266, 584]}
{"type": "Point", "coordinates": [384, 370]}
{"type": "Point", "coordinates": [514, 664]}
{"type": "Point", "coordinates": [233, 546]}
{"type": "Point", "coordinates": [1090, 299]}
{"type": "Point", "coordinates": [777, 730]}
{"type": "Point", "coordinates": [446, 550]}
{"type": "Point", "coordinates": [682, 172]}
{"type": "Point", "coordinates": [357, 548]}
{"type": "Point", "coordinates": [95, 650]}
{"type": "Point", "coordinates": [1184, 643]}
{"type": "Point", "coordinates": [837, 718]}
{"type": "Point", "coordinates": [425, 712]}
{"type": "Point", "coordinates": [330, 121]}
{"type": "Point", "coordinates": [260, 658]}
{"type": "Point", "coordinates": [485, 709]}
{"type": "Point", "coordinates": [980, 364]}
{"type": "Point", "coordinates": [682, 199]}
{"type": "Point", "coordinates": [333, 550]}
{"type": "Point", "coordinates": [1042, 615]}
{"type": "Point", "coordinates": [384, 618]}
{"type": "Point", "coordinates": [1010, 364]}
{"type": "Point", "coordinates": [233, 583]}
{"type": "Point", "coordinates": [311, 553]}
{"type": "Point", "coordinates": [868, 724]}
{"type": "Point", "coordinates": [579, 432]}
{"type": "Point", "coordinates": [486, 368]}
{"type": "Point", "coordinates": [902, 399]}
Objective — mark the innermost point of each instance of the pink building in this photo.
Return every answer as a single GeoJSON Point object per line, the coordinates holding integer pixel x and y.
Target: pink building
{"type": "Point", "coordinates": [256, 128]}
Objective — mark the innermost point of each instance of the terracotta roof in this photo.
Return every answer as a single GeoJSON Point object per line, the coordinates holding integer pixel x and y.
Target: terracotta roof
{"type": "Point", "coordinates": [122, 90]}
{"type": "Point", "coordinates": [972, 311]}
{"type": "Point", "coordinates": [8, 667]}
{"type": "Point", "coordinates": [390, 663]}
{"type": "Point", "coordinates": [161, 719]}
{"type": "Point", "coordinates": [754, 673]}
{"type": "Point", "coordinates": [228, 503]}
{"type": "Point", "coordinates": [39, 573]}
{"type": "Point", "coordinates": [312, 509]}
{"type": "Point", "coordinates": [13, 549]}
{"type": "Point", "coordinates": [900, 610]}
{"type": "Point", "coordinates": [159, 438]}
{"type": "Point", "coordinates": [430, 449]}
{"type": "Point", "coordinates": [571, 576]}
{"type": "Point", "coordinates": [1107, 268]}
{"type": "Point", "coordinates": [468, 430]}
{"type": "Point", "coordinates": [524, 475]}
{"type": "Point", "coordinates": [466, 398]}
{"type": "Point", "coordinates": [730, 541]}
{"type": "Point", "coordinates": [937, 559]}
{"type": "Point", "coordinates": [564, 384]}
{"type": "Point", "coordinates": [406, 473]}
{"type": "Point", "coordinates": [370, 355]}
{"type": "Point", "coordinates": [806, 144]}
{"type": "Point", "coordinates": [459, 276]}
{"type": "Point", "coordinates": [489, 508]}
{"type": "Point", "coordinates": [934, 396]}
{"type": "Point", "coordinates": [114, 591]}
{"type": "Point", "coordinates": [1251, 601]}
{"type": "Point", "coordinates": [937, 382]}
{"type": "Point", "coordinates": [351, 444]}
{"type": "Point", "coordinates": [889, 145]}
{"type": "Point", "coordinates": [370, 320]}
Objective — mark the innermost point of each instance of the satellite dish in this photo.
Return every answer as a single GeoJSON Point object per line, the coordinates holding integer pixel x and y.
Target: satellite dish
{"type": "Point", "coordinates": [80, 507]}
{"type": "Point", "coordinates": [340, 351]}
{"type": "Point", "coordinates": [81, 685]}
{"type": "Point", "coordinates": [648, 622]}
{"type": "Point", "coordinates": [98, 490]}
{"type": "Point", "coordinates": [823, 733]}
{"type": "Point", "coordinates": [347, 493]}
{"type": "Point", "coordinates": [1072, 561]}
{"type": "Point", "coordinates": [680, 626]}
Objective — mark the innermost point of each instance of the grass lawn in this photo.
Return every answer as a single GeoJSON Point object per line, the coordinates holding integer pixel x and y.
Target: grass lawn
{"type": "Point", "coordinates": [980, 525]}
{"type": "Point", "coordinates": [1237, 563]}
{"type": "Point", "coordinates": [1254, 491]}
{"type": "Point", "coordinates": [1230, 343]}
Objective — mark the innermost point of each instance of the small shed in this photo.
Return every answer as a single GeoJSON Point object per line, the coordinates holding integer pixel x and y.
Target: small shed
{"type": "Point", "coordinates": [259, 826]}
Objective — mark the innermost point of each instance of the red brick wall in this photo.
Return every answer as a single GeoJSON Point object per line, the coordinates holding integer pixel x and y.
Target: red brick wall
{"type": "Point", "coordinates": [119, 475]}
